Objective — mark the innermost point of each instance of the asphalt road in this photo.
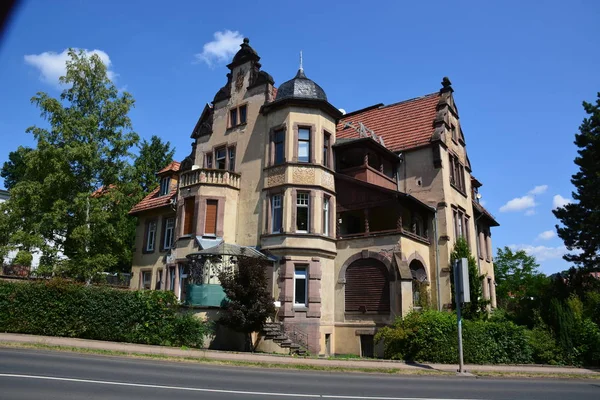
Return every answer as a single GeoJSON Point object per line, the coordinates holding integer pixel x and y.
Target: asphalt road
{"type": "Point", "coordinates": [34, 374]}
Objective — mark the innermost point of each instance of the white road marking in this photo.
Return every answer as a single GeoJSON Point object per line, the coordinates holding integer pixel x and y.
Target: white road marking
{"type": "Point", "coordinates": [191, 389]}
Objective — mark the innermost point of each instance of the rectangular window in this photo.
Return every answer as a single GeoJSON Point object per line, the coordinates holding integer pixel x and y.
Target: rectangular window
{"type": "Point", "coordinates": [326, 138]}
{"type": "Point", "coordinates": [158, 284]}
{"type": "Point", "coordinates": [300, 287]}
{"type": "Point", "coordinates": [164, 186]}
{"type": "Point", "coordinates": [168, 235]}
{"type": "Point", "coordinates": [232, 159]}
{"type": "Point", "coordinates": [302, 212]}
{"type": "Point", "coordinates": [210, 218]}
{"type": "Point", "coordinates": [304, 145]}
{"type": "Point", "coordinates": [457, 173]}
{"type": "Point", "coordinates": [172, 279]}
{"type": "Point", "coordinates": [326, 216]}
{"type": "Point", "coordinates": [220, 158]}
{"type": "Point", "coordinates": [242, 114]}
{"type": "Point", "coordinates": [461, 224]}
{"type": "Point", "coordinates": [276, 213]}
{"type": "Point", "coordinates": [151, 236]}
{"type": "Point", "coordinates": [208, 160]}
{"type": "Point", "coordinates": [189, 215]}
{"type": "Point", "coordinates": [454, 133]}
{"type": "Point", "coordinates": [146, 279]}
{"type": "Point", "coordinates": [278, 146]}
{"type": "Point", "coordinates": [233, 117]}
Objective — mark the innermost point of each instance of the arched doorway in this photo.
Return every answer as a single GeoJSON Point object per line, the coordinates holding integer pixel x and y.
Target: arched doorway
{"type": "Point", "coordinates": [419, 277]}
{"type": "Point", "coordinates": [367, 286]}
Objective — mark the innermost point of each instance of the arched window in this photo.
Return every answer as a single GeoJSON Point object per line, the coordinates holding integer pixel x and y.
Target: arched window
{"type": "Point", "coordinates": [367, 286]}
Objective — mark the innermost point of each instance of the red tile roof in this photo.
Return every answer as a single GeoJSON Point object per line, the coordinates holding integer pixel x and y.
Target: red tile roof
{"type": "Point", "coordinates": [153, 200]}
{"type": "Point", "coordinates": [403, 125]}
{"type": "Point", "coordinates": [173, 166]}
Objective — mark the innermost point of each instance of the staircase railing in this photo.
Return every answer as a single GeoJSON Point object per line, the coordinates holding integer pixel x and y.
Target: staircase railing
{"type": "Point", "coordinates": [297, 336]}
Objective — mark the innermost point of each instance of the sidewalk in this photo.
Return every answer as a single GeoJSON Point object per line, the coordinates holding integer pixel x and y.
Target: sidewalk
{"type": "Point", "coordinates": [287, 360]}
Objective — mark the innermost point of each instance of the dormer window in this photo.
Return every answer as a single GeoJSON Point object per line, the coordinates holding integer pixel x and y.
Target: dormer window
{"type": "Point", "coordinates": [238, 116]}
{"type": "Point", "coordinates": [164, 186]}
{"type": "Point", "coordinates": [454, 133]}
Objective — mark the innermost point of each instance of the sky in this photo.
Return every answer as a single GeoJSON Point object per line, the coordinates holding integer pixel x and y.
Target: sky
{"type": "Point", "coordinates": [520, 71]}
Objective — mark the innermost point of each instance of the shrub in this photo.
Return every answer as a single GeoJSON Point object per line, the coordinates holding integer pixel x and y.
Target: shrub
{"type": "Point", "coordinates": [544, 347]}
{"type": "Point", "coordinates": [61, 308]}
{"type": "Point", "coordinates": [432, 336]}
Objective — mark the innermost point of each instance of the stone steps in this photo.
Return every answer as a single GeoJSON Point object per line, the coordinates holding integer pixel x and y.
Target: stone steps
{"type": "Point", "coordinates": [274, 331]}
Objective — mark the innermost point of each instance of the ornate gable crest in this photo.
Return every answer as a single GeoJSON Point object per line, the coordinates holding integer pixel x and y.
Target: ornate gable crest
{"type": "Point", "coordinates": [239, 80]}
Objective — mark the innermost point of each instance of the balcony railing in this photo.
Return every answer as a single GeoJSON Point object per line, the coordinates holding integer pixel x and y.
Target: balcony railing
{"type": "Point", "coordinates": [369, 174]}
{"type": "Point", "coordinates": [210, 177]}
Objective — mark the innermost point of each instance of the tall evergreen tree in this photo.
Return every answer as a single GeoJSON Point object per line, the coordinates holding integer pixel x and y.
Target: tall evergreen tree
{"type": "Point", "coordinates": [477, 306]}
{"type": "Point", "coordinates": [580, 220]}
{"type": "Point", "coordinates": [74, 193]}
{"type": "Point", "coordinates": [154, 156]}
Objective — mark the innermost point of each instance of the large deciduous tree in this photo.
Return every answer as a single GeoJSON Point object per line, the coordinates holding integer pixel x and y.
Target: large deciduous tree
{"type": "Point", "coordinates": [15, 168]}
{"type": "Point", "coordinates": [249, 302]}
{"type": "Point", "coordinates": [73, 192]}
{"type": "Point", "coordinates": [520, 286]}
{"type": "Point", "coordinates": [154, 155]}
{"type": "Point", "coordinates": [580, 220]}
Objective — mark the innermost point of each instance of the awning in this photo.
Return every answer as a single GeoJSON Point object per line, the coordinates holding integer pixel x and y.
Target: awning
{"type": "Point", "coordinates": [227, 249]}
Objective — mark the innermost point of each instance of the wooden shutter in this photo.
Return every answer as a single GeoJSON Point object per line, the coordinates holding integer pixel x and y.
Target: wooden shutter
{"type": "Point", "coordinates": [188, 222]}
{"type": "Point", "coordinates": [210, 221]}
{"type": "Point", "coordinates": [367, 286]}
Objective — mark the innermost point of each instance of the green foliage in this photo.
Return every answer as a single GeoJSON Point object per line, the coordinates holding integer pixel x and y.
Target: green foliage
{"type": "Point", "coordinates": [23, 258]}
{"type": "Point", "coordinates": [580, 220]}
{"type": "Point", "coordinates": [153, 156]}
{"type": "Point", "coordinates": [61, 308]}
{"type": "Point", "coordinates": [14, 170]}
{"type": "Point", "coordinates": [249, 302]}
{"type": "Point", "coordinates": [71, 193]}
{"type": "Point", "coordinates": [520, 286]}
{"type": "Point", "coordinates": [432, 336]}
{"type": "Point", "coordinates": [476, 308]}
{"type": "Point", "coordinates": [544, 347]}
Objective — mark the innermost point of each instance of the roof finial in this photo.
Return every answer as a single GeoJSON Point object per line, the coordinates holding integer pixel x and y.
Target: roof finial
{"type": "Point", "coordinates": [301, 69]}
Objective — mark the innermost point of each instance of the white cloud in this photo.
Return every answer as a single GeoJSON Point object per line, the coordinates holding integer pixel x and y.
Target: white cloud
{"type": "Point", "coordinates": [530, 212]}
{"type": "Point", "coordinates": [559, 201]}
{"type": "Point", "coordinates": [518, 204]}
{"type": "Point", "coordinates": [53, 65]}
{"type": "Point", "coordinates": [225, 45]}
{"type": "Point", "coordinates": [541, 189]}
{"type": "Point", "coordinates": [541, 253]}
{"type": "Point", "coordinates": [546, 235]}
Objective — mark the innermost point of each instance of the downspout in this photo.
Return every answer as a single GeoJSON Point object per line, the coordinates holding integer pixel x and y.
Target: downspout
{"type": "Point", "coordinates": [437, 259]}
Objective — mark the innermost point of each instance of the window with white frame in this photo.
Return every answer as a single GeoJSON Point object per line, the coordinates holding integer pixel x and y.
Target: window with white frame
{"type": "Point", "coordinates": [326, 216]}
{"type": "Point", "coordinates": [146, 280]}
{"type": "Point", "coordinates": [276, 213]}
{"type": "Point", "coordinates": [168, 235]}
{"type": "Point", "coordinates": [220, 158]}
{"type": "Point", "coordinates": [151, 236]}
{"type": "Point", "coordinates": [164, 186]}
{"type": "Point", "coordinates": [302, 212]}
{"type": "Point", "coordinates": [300, 287]}
{"type": "Point", "coordinates": [304, 145]}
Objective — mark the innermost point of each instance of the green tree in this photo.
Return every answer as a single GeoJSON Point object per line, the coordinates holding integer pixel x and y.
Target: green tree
{"type": "Point", "coordinates": [520, 286]}
{"type": "Point", "coordinates": [580, 220]}
{"type": "Point", "coordinates": [15, 168]}
{"type": "Point", "coordinates": [477, 306]}
{"type": "Point", "coordinates": [153, 156]}
{"type": "Point", "coordinates": [249, 302]}
{"type": "Point", "coordinates": [73, 195]}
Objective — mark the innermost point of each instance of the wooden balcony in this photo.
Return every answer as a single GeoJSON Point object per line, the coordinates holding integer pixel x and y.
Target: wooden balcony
{"type": "Point", "coordinates": [203, 176]}
{"type": "Point", "coordinates": [366, 173]}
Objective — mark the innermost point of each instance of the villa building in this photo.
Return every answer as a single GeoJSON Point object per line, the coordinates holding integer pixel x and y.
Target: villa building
{"type": "Point", "coordinates": [358, 212]}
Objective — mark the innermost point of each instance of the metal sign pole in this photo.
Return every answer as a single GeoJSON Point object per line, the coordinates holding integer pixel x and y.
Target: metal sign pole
{"type": "Point", "coordinates": [459, 290]}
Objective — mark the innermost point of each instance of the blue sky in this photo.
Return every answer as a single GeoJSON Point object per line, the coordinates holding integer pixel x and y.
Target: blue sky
{"type": "Point", "coordinates": [520, 71]}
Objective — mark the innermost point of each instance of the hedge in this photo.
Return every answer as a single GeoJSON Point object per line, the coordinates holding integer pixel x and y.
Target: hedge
{"type": "Point", "coordinates": [61, 308]}
{"type": "Point", "coordinates": [431, 336]}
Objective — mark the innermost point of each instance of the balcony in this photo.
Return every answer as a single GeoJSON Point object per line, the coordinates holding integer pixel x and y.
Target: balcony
{"type": "Point", "coordinates": [203, 176]}
{"type": "Point", "coordinates": [366, 173]}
